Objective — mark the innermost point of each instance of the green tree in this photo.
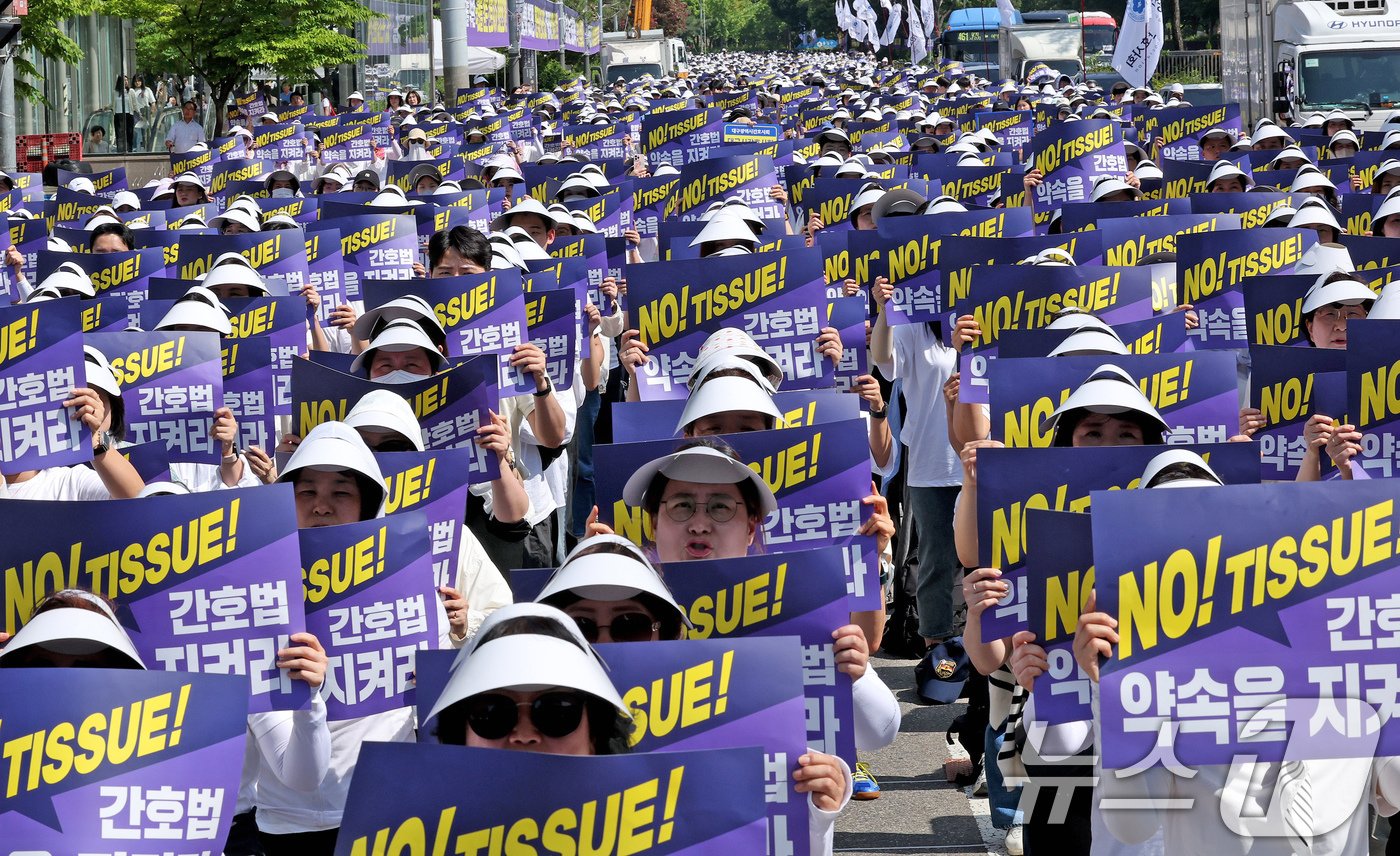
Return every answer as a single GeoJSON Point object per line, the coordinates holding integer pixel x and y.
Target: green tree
{"type": "Point", "coordinates": [41, 31]}
{"type": "Point", "coordinates": [224, 42]}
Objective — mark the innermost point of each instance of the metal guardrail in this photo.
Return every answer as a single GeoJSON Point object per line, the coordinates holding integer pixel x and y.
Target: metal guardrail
{"type": "Point", "coordinates": [1206, 64]}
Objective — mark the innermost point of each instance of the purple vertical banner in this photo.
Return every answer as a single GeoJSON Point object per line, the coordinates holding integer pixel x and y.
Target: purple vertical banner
{"type": "Point", "coordinates": [1070, 155]}
{"type": "Point", "coordinates": [203, 582]}
{"type": "Point", "coordinates": [1195, 393]}
{"type": "Point", "coordinates": [248, 391]}
{"type": "Point", "coordinates": [746, 177]}
{"type": "Point", "coordinates": [1003, 297]}
{"type": "Point", "coordinates": [1281, 387]}
{"type": "Point", "coordinates": [1373, 366]}
{"type": "Point", "coordinates": [29, 238]}
{"type": "Point", "coordinates": [41, 363]}
{"type": "Point", "coordinates": [1060, 577]}
{"type": "Point", "coordinates": [371, 598]}
{"type": "Point", "coordinates": [450, 406]}
{"type": "Point", "coordinates": [1211, 267]}
{"type": "Point", "coordinates": [1214, 633]}
{"type": "Point", "coordinates": [554, 328]}
{"type": "Point", "coordinates": [171, 385]}
{"type": "Point", "coordinates": [848, 316]}
{"type": "Point", "coordinates": [777, 298]}
{"type": "Point", "coordinates": [434, 483]}
{"type": "Point", "coordinates": [744, 691]}
{"type": "Point", "coordinates": [818, 472]}
{"type": "Point", "coordinates": [1012, 481]}
{"type": "Point", "coordinates": [179, 784]}
{"type": "Point", "coordinates": [325, 268]}
{"type": "Point", "coordinates": [761, 596]}
{"type": "Point", "coordinates": [374, 246]}
{"type": "Point", "coordinates": [708, 801]}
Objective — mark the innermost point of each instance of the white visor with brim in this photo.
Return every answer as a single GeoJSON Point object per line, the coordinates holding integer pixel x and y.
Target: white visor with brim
{"type": "Point", "coordinates": [73, 631]}
{"type": "Point", "coordinates": [399, 335]}
{"type": "Point", "coordinates": [384, 410]}
{"type": "Point", "coordinates": [99, 372]}
{"type": "Point", "coordinates": [1073, 318]}
{"type": "Point", "coordinates": [1324, 258]}
{"type": "Point", "coordinates": [526, 245]}
{"type": "Point", "coordinates": [1347, 292]}
{"type": "Point", "coordinates": [1226, 169]}
{"type": "Point", "coordinates": [527, 662]}
{"type": "Point", "coordinates": [733, 341]}
{"type": "Point", "coordinates": [1110, 391]}
{"type": "Point", "coordinates": [239, 216]}
{"type": "Point", "coordinates": [408, 306]}
{"type": "Point", "coordinates": [725, 227]}
{"type": "Point", "coordinates": [609, 577]}
{"type": "Point", "coordinates": [1387, 306]}
{"type": "Point", "coordinates": [1310, 179]}
{"type": "Point", "coordinates": [1113, 185]}
{"type": "Point", "coordinates": [235, 274]}
{"type": "Point", "coordinates": [1312, 215]}
{"type": "Point", "coordinates": [1389, 208]}
{"type": "Point", "coordinates": [701, 465]}
{"type": "Point", "coordinates": [528, 205]}
{"type": "Point", "coordinates": [1172, 457]}
{"type": "Point", "coordinates": [194, 312]}
{"type": "Point", "coordinates": [335, 447]}
{"type": "Point", "coordinates": [717, 360]}
{"type": "Point", "coordinates": [69, 277]}
{"type": "Point", "coordinates": [1090, 340]}
{"type": "Point", "coordinates": [723, 394]}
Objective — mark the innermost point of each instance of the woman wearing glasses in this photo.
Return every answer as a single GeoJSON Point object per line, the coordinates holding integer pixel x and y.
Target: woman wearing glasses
{"type": "Point", "coordinates": [613, 594]}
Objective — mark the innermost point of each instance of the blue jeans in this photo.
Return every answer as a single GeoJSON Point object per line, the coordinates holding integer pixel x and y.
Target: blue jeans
{"type": "Point", "coordinates": [1004, 801]}
{"type": "Point", "coordinates": [583, 473]}
{"type": "Point", "coordinates": [932, 509]}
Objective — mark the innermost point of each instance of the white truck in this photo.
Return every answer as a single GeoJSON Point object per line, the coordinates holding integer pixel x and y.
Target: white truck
{"type": "Point", "coordinates": [633, 54]}
{"type": "Point", "coordinates": [1057, 45]}
{"type": "Point", "coordinates": [1286, 59]}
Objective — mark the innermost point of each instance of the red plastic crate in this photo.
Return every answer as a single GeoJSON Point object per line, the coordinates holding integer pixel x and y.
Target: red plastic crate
{"type": "Point", "coordinates": [40, 149]}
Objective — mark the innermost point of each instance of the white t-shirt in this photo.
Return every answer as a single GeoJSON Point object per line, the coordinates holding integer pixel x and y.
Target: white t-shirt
{"type": "Point", "coordinates": [924, 364]}
{"type": "Point", "coordinates": [58, 483]}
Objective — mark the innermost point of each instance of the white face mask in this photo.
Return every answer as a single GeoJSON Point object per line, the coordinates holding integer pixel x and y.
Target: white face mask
{"type": "Point", "coordinates": [283, 193]}
{"type": "Point", "coordinates": [401, 376]}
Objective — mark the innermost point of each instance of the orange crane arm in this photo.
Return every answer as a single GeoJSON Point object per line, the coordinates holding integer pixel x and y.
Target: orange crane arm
{"type": "Point", "coordinates": [641, 14]}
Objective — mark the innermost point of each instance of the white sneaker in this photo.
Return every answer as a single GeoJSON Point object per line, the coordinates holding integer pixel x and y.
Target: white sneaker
{"type": "Point", "coordinates": [1015, 841]}
{"type": "Point", "coordinates": [980, 788]}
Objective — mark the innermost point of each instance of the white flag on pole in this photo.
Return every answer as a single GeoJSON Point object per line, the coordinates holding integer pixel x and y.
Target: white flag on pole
{"type": "Point", "coordinates": [892, 25]}
{"type": "Point", "coordinates": [918, 44]}
{"type": "Point", "coordinates": [930, 15]}
{"type": "Point", "coordinates": [1008, 13]}
{"type": "Point", "coordinates": [1139, 42]}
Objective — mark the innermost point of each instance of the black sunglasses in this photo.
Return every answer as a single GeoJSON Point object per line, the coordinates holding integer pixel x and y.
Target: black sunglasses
{"type": "Point", "coordinates": [493, 716]}
{"type": "Point", "coordinates": [627, 627]}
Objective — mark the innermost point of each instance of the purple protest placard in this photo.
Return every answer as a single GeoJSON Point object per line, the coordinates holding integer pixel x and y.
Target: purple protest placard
{"type": "Point", "coordinates": [372, 597]}
{"type": "Point", "coordinates": [635, 421]}
{"type": "Point", "coordinates": [1011, 481]}
{"type": "Point", "coordinates": [1003, 297]}
{"type": "Point", "coordinates": [171, 385]}
{"type": "Point", "coordinates": [1371, 363]}
{"type": "Point", "coordinates": [353, 143]}
{"type": "Point", "coordinates": [1281, 388]}
{"type": "Point", "coordinates": [41, 363]}
{"type": "Point", "coordinates": [751, 691]}
{"type": "Point", "coordinates": [758, 596]}
{"type": "Point", "coordinates": [373, 246]}
{"type": "Point", "coordinates": [179, 783]}
{"type": "Point", "coordinates": [281, 253]}
{"type": "Point", "coordinates": [450, 406]}
{"type": "Point", "coordinates": [434, 483]}
{"type": "Point", "coordinates": [777, 298]}
{"type": "Point", "coordinates": [249, 391]}
{"type": "Point", "coordinates": [1070, 156]}
{"type": "Point", "coordinates": [203, 582]}
{"type": "Point", "coordinates": [847, 315]}
{"type": "Point", "coordinates": [819, 474]}
{"type": "Point", "coordinates": [680, 137]}
{"type": "Point", "coordinates": [1235, 598]}
{"type": "Point", "coordinates": [708, 801]}
{"type": "Point", "coordinates": [747, 178]}
{"type": "Point", "coordinates": [1059, 577]}
{"type": "Point", "coordinates": [554, 329]}
{"type": "Point", "coordinates": [1211, 266]}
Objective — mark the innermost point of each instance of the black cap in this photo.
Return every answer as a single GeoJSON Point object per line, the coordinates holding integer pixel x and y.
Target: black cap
{"type": "Point", "coordinates": [943, 671]}
{"type": "Point", "coordinates": [366, 175]}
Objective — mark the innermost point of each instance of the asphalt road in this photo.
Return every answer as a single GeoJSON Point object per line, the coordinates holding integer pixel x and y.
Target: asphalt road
{"type": "Point", "coordinates": [918, 810]}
